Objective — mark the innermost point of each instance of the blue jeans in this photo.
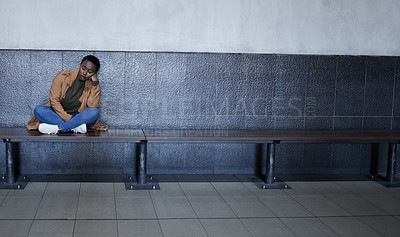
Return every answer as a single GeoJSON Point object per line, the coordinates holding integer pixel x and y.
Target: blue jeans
{"type": "Point", "coordinates": [47, 115]}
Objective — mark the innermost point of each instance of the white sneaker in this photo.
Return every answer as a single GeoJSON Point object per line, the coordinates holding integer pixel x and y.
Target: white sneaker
{"type": "Point", "coordinates": [80, 129]}
{"type": "Point", "coordinates": [48, 128]}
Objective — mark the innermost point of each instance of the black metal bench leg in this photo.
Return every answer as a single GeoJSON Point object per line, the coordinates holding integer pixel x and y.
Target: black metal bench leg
{"type": "Point", "coordinates": [11, 181]}
{"type": "Point", "coordinates": [10, 169]}
{"type": "Point", "coordinates": [390, 180]}
{"type": "Point", "coordinates": [391, 166]}
{"type": "Point", "coordinates": [270, 163]}
{"type": "Point", "coordinates": [141, 174]}
{"type": "Point", "coordinates": [143, 183]}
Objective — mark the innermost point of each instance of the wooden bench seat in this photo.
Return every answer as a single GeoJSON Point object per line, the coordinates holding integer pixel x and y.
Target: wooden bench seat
{"type": "Point", "coordinates": [269, 137]}
{"type": "Point", "coordinates": [22, 134]}
{"type": "Point", "coordinates": [273, 137]}
{"type": "Point", "coordinates": [13, 135]}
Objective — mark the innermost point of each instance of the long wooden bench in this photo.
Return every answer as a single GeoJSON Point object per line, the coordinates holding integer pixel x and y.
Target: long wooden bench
{"type": "Point", "coordinates": [271, 138]}
{"type": "Point", "coordinates": [13, 136]}
{"type": "Point", "coordinates": [274, 137]}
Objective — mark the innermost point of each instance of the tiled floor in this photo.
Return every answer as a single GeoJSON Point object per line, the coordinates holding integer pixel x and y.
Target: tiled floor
{"type": "Point", "coordinates": [184, 207]}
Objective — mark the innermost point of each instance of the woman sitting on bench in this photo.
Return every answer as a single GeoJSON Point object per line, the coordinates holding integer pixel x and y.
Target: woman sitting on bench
{"type": "Point", "coordinates": [74, 98]}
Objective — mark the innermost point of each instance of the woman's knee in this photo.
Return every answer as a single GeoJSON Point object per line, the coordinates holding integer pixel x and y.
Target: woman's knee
{"type": "Point", "coordinates": [39, 110]}
{"type": "Point", "coordinates": [93, 112]}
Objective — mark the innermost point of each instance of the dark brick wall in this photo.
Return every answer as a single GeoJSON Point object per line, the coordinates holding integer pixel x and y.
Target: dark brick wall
{"type": "Point", "coordinates": [201, 90]}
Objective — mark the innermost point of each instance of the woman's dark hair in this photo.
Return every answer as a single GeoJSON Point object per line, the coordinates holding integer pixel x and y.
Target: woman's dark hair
{"type": "Point", "coordinates": [92, 59]}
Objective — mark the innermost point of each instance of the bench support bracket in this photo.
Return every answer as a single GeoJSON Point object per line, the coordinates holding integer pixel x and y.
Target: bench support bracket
{"type": "Point", "coordinates": [271, 181]}
{"type": "Point", "coordinates": [149, 184]}
{"type": "Point", "coordinates": [143, 182]}
{"type": "Point", "coordinates": [10, 181]}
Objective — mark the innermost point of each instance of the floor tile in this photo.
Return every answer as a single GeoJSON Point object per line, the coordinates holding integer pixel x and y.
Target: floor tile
{"type": "Point", "coordinates": [360, 187]}
{"type": "Point", "coordinates": [355, 205]}
{"type": "Point", "coordinates": [265, 227]}
{"type": "Point", "coordinates": [225, 208]}
{"type": "Point", "coordinates": [385, 225]}
{"type": "Point", "coordinates": [385, 202]}
{"type": "Point", "coordinates": [135, 208]}
{"type": "Point", "coordinates": [14, 228]}
{"type": "Point", "coordinates": [145, 228]}
{"type": "Point", "coordinates": [173, 207]}
{"type": "Point", "coordinates": [225, 228]}
{"type": "Point", "coordinates": [300, 188]}
{"type": "Point", "coordinates": [248, 207]}
{"type": "Point", "coordinates": [64, 189]}
{"type": "Point", "coordinates": [308, 227]}
{"type": "Point", "coordinates": [328, 188]}
{"type": "Point", "coordinates": [51, 228]}
{"type": "Point", "coordinates": [168, 190]}
{"type": "Point", "coordinates": [31, 190]}
{"type": "Point", "coordinates": [3, 192]}
{"type": "Point", "coordinates": [321, 206]}
{"type": "Point", "coordinates": [199, 190]}
{"type": "Point", "coordinates": [94, 190]}
{"type": "Point", "coordinates": [57, 208]}
{"type": "Point", "coordinates": [182, 228]}
{"type": "Point", "coordinates": [349, 226]}
{"type": "Point", "coordinates": [231, 189]}
{"type": "Point", "coordinates": [285, 207]}
{"type": "Point", "coordinates": [96, 228]}
{"type": "Point", "coordinates": [121, 192]}
{"type": "Point", "coordinates": [96, 208]}
{"type": "Point", "coordinates": [19, 208]}
{"type": "Point", "coordinates": [211, 207]}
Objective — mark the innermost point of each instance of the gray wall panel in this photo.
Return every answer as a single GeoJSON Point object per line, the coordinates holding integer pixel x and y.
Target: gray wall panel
{"type": "Point", "coordinates": [45, 66]}
{"type": "Point", "coordinates": [15, 87]}
{"type": "Point", "coordinates": [139, 91]}
{"type": "Point", "coordinates": [350, 87]}
{"type": "Point", "coordinates": [380, 75]}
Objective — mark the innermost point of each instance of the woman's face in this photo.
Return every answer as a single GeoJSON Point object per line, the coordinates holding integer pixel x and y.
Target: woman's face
{"type": "Point", "coordinates": [86, 70]}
